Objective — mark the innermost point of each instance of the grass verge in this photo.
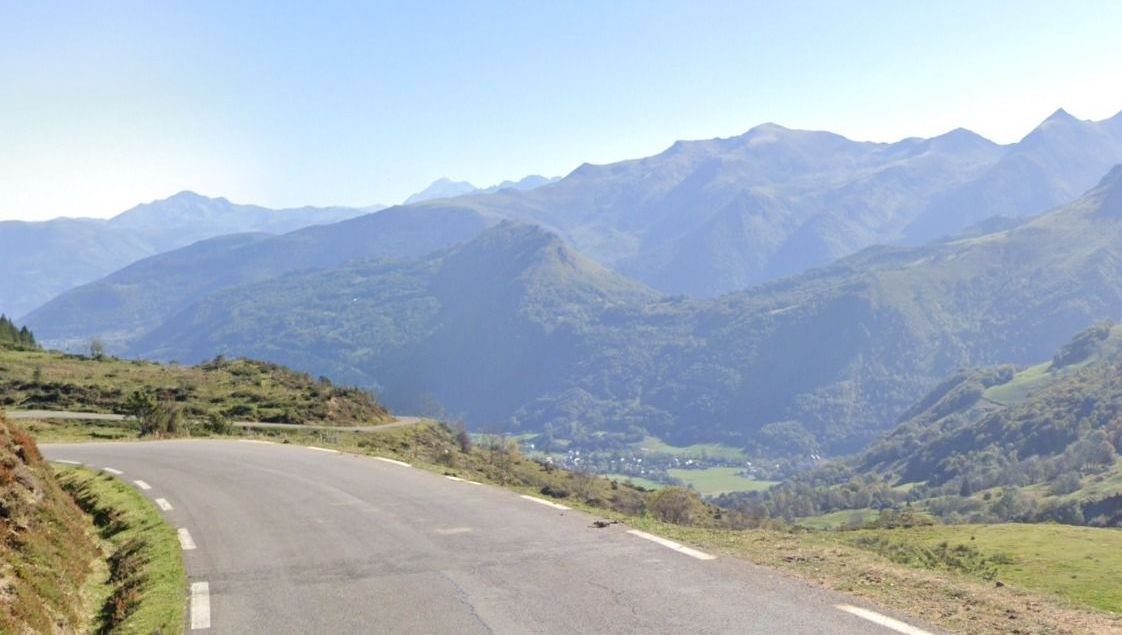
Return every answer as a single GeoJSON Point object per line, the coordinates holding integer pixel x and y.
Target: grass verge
{"type": "Point", "coordinates": [147, 581]}
{"type": "Point", "coordinates": [960, 599]}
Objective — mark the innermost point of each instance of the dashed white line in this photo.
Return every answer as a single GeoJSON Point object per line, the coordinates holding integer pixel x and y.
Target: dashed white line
{"type": "Point", "coordinates": [394, 461]}
{"type": "Point", "coordinates": [883, 620]}
{"type": "Point", "coordinates": [670, 544]}
{"type": "Point", "coordinates": [542, 501]}
{"type": "Point", "coordinates": [163, 504]}
{"type": "Point", "coordinates": [460, 480]}
{"type": "Point", "coordinates": [200, 605]}
{"type": "Point", "coordinates": [67, 462]}
{"type": "Point", "coordinates": [451, 531]}
{"type": "Point", "coordinates": [319, 449]}
{"type": "Point", "coordinates": [112, 471]}
{"type": "Point", "coordinates": [185, 541]}
{"type": "Point", "coordinates": [143, 485]}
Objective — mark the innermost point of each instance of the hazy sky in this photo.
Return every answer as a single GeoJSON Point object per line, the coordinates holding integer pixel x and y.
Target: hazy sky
{"type": "Point", "coordinates": [107, 104]}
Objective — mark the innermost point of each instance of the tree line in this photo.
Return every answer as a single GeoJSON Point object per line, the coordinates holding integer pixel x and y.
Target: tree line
{"type": "Point", "coordinates": [13, 336]}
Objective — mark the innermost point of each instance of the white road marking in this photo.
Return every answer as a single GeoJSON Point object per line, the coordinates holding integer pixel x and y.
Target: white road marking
{"type": "Point", "coordinates": [318, 449]}
{"type": "Point", "coordinates": [143, 485]}
{"type": "Point", "coordinates": [883, 620]}
{"type": "Point", "coordinates": [460, 480]}
{"type": "Point", "coordinates": [112, 471]}
{"type": "Point", "coordinates": [200, 605]}
{"type": "Point", "coordinates": [185, 540]}
{"type": "Point", "coordinates": [163, 504]}
{"type": "Point", "coordinates": [542, 501]}
{"type": "Point", "coordinates": [451, 531]}
{"type": "Point", "coordinates": [256, 441]}
{"type": "Point", "coordinates": [394, 461]}
{"type": "Point", "coordinates": [670, 544]}
{"type": "Point", "coordinates": [68, 462]}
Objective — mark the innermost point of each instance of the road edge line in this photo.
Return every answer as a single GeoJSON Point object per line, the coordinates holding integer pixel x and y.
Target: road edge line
{"type": "Point", "coordinates": [542, 501]}
{"type": "Point", "coordinates": [882, 620]}
{"type": "Point", "coordinates": [186, 542]}
{"type": "Point", "coordinates": [200, 605]}
{"type": "Point", "coordinates": [394, 461]}
{"type": "Point", "coordinates": [670, 544]}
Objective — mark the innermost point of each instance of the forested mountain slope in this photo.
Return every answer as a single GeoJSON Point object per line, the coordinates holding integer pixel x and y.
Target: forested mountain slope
{"type": "Point", "coordinates": [136, 299]}
{"type": "Point", "coordinates": [1000, 443]}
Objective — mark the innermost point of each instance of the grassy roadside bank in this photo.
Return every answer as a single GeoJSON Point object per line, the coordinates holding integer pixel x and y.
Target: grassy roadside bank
{"type": "Point", "coordinates": [236, 389]}
{"type": "Point", "coordinates": [49, 562]}
{"type": "Point", "coordinates": [146, 582]}
{"type": "Point", "coordinates": [964, 591]}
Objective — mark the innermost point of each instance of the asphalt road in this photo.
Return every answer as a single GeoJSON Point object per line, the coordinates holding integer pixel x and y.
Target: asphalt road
{"type": "Point", "coordinates": [291, 539]}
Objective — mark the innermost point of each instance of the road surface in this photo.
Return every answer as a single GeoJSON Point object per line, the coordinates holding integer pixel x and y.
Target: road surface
{"type": "Point", "coordinates": [290, 539]}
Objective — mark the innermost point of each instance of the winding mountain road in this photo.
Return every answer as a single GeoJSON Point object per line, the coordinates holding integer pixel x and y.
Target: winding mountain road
{"type": "Point", "coordinates": [291, 539]}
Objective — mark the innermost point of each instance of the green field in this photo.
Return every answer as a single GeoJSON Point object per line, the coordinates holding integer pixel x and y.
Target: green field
{"type": "Point", "coordinates": [637, 481]}
{"type": "Point", "coordinates": [718, 480]}
{"type": "Point", "coordinates": [697, 451]}
{"type": "Point", "coordinates": [1023, 383]}
{"type": "Point", "coordinates": [1081, 564]}
{"type": "Point", "coordinates": [838, 519]}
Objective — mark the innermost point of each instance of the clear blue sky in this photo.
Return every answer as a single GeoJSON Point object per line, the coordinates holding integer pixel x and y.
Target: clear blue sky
{"type": "Point", "coordinates": [107, 104]}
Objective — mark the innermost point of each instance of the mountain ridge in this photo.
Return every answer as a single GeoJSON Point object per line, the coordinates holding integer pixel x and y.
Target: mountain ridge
{"type": "Point", "coordinates": [817, 363]}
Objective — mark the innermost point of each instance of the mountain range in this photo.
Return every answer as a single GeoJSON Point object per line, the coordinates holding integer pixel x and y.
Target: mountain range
{"type": "Point", "coordinates": [708, 217]}
{"type": "Point", "coordinates": [483, 303]}
{"type": "Point", "coordinates": [514, 328]}
{"type": "Point", "coordinates": [447, 188]}
{"type": "Point", "coordinates": [47, 258]}
{"type": "Point", "coordinates": [50, 257]}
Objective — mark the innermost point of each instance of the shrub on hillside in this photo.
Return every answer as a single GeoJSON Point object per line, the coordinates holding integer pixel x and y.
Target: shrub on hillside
{"type": "Point", "coordinates": [677, 505]}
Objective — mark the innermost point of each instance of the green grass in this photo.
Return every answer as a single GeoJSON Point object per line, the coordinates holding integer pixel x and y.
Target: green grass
{"type": "Point", "coordinates": [1080, 564]}
{"type": "Point", "coordinates": [242, 390]}
{"type": "Point", "coordinates": [838, 519]}
{"type": "Point", "coordinates": [719, 480]}
{"type": "Point", "coordinates": [148, 583]}
{"type": "Point", "coordinates": [696, 451]}
{"type": "Point", "coordinates": [1100, 486]}
{"type": "Point", "coordinates": [1021, 386]}
{"type": "Point", "coordinates": [73, 431]}
{"type": "Point", "coordinates": [637, 481]}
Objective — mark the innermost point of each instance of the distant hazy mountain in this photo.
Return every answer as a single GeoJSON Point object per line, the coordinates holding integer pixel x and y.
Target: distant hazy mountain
{"type": "Point", "coordinates": [442, 188]}
{"type": "Point", "coordinates": [447, 188]}
{"type": "Point", "coordinates": [516, 329]}
{"type": "Point", "coordinates": [702, 218]}
{"type": "Point", "coordinates": [46, 258]}
{"type": "Point", "coordinates": [708, 217]}
{"type": "Point", "coordinates": [1055, 163]}
{"type": "Point", "coordinates": [130, 302]}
